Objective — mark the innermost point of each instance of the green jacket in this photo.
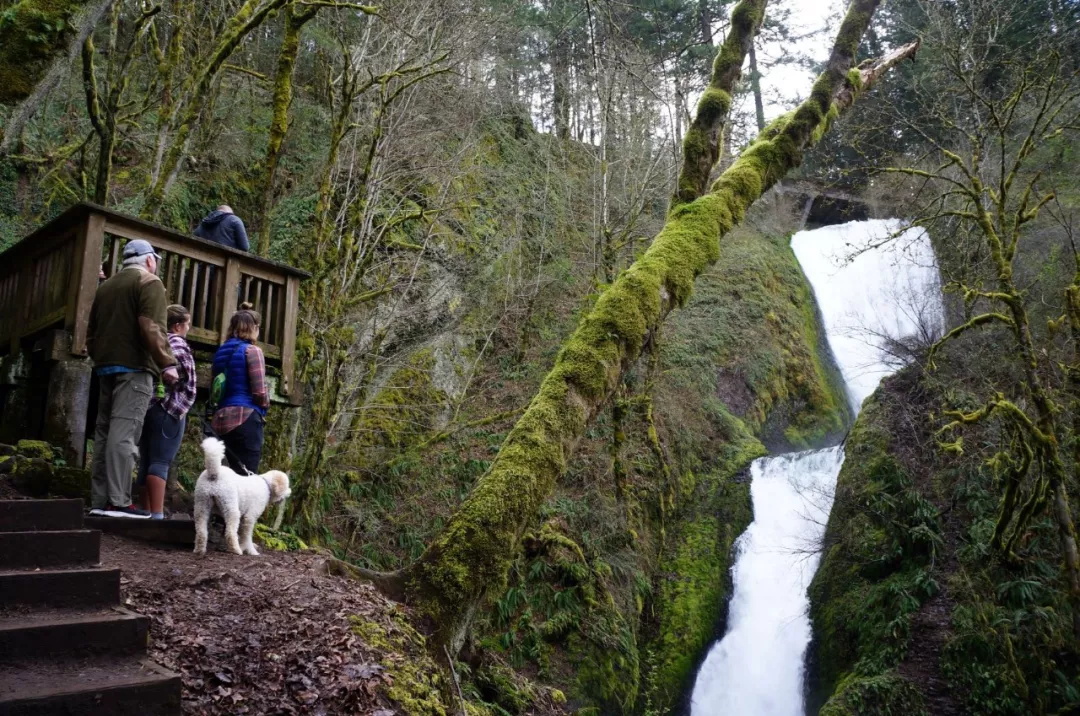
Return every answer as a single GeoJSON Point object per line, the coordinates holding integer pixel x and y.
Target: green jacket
{"type": "Point", "coordinates": [127, 322]}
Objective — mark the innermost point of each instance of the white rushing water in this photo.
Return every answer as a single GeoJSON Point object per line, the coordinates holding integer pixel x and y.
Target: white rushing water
{"type": "Point", "coordinates": [887, 290]}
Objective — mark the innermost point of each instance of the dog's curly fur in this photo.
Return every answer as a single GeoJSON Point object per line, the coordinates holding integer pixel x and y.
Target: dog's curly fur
{"type": "Point", "coordinates": [240, 499]}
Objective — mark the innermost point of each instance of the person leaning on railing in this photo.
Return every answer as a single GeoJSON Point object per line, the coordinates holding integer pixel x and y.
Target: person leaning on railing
{"type": "Point", "coordinates": [163, 428]}
{"type": "Point", "coordinates": [126, 339]}
{"type": "Point", "coordinates": [239, 416]}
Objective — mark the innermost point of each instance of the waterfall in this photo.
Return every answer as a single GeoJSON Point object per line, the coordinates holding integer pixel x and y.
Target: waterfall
{"type": "Point", "coordinates": [871, 292]}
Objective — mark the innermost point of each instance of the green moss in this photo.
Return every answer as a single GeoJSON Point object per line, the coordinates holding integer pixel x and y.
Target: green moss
{"type": "Point", "coordinates": [35, 448]}
{"type": "Point", "coordinates": [32, 33]}
{"type": "Point", "coordinates": [416, 682]}
{"type": "Point", "coordinates": [68, 481]}
{"type": "Point", "coordinates": [890, 695]}
{"type": "Point", "coordinates": [693, 591]}
{"type": "Point", "coordinates": [875, 575]}
{"type": "Point", "coordinates": [278, 540]}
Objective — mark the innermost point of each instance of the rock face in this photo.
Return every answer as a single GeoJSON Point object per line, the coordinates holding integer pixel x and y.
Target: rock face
{"type": "Point", "coordinates": [912, 612]}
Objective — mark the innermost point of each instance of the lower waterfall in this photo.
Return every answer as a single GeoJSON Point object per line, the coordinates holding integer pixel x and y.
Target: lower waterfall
{"type": "Point", "coordinates": [870, 291]}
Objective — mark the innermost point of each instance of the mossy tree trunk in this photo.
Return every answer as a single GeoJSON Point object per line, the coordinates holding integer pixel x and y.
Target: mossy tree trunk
{"type": "Point", "coordinates": [469, 559]}
{"type": "Point", "coordinates": [297, 15]}
{"type": "Point", "coordinates": [187, 108]}
{"type": "Point", "coordinates": [351, 234]}
{"type": "Point", "coordinates": [105, 96]}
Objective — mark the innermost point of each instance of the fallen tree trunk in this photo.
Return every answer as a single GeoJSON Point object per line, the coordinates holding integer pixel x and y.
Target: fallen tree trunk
{"type": "Point", "coordinates": [470, 558]}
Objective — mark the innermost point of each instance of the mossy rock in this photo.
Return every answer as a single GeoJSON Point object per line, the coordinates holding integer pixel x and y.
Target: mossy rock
{"type": "Point", "coordinates": [278, 540]}
{"type": "Point", "coordinates": [503, 686]}
{"type": "Point", "coordinates": [30, 476]}
{"type": "Point", "coordinates": [36, 449]}
{"type": "Point", "coordinates": [71, 482]}
{"type": "Point", "coordinates": [6, 450]}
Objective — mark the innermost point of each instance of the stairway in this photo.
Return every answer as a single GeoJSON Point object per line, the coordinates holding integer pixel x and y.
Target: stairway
{"type": "Point", "coordinates": [66, 645]}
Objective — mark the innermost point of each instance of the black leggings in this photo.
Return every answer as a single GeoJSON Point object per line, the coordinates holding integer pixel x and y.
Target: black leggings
{"type": "Point", "coordinates": [244, 443]}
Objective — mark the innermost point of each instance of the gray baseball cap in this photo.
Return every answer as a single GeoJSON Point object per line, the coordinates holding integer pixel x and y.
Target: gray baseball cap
{"type": "Point", "coordinates": [138, 247]}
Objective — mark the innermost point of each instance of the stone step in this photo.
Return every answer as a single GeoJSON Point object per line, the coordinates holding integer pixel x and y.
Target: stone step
{"type": "Point", "coordinates": [49, 549]}
{"type": "Point", "coordinates": [40, 515]}
{"type": "Point", "coordinates": [32, 635]}
{"type": "Point", "coordinates": [60, 587]}
{"type": "Point", "coordinates": [172, 531]}
{"type": "Point", "coordinates": [99, 687]}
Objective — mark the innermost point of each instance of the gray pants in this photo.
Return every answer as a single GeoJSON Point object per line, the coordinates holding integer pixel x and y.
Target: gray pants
{"type": "Point", "coordinates": [122, 402]}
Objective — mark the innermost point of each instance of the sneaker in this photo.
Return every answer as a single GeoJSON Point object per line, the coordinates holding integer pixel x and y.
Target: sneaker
{"type": "Point", "coordinates": [129, 511]}
{"type": "Point", "coordinates": [97, 512]}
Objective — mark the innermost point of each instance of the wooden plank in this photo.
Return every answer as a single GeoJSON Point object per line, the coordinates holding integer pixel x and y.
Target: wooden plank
{"type": "Point", "coordinates": [248, 267]}
{"type": "Point", "coordinates": [288, 338]}
{"type": "Point", "coordinates": [228, 293]}
{"type": "Point", "coordinates": [193, 294]}
{"type": "Point", "coordinates": [91, 239]}
{"type": "Point", "coordinates": [112, 259]}
{"type": "Point", "coordinates": [21, 295]}
{"type": "Point", "coordinates": [204, 298]}
{"type": "Point", "coordinates": [168, 270]}
{"type": "Point", "coordinates": [202, 335]}
{"type": "Point", "coordinates": [271, 320]}
{"type": "Point", "coordinates": [180, 283]}
{"type": "Point", "coordinates": [44, 320]}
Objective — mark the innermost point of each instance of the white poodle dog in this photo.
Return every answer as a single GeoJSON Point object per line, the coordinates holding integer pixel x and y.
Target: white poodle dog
{"type": "Point", "coordinates": [240, 499]}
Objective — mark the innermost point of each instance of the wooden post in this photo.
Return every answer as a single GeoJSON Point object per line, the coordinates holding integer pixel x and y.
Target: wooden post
{"type": "Point", "coordinates": [89, 242]}
{"type": "Point", "coordinates": [288, 339]}
{"type": "Point", "coordinates": [66, 404]}
{"type": "Point", "coordinates": [229, 288]}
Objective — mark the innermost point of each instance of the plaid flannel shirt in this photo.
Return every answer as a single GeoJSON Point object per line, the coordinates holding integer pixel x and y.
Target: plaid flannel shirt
{"type": "Point", "coordinates": [231, 417]}
{"type": "Point", "coordinates": [180, 396]}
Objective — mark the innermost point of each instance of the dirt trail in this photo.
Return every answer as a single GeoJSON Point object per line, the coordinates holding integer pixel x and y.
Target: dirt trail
{"type": "Point", "coordinates": [256, 635]}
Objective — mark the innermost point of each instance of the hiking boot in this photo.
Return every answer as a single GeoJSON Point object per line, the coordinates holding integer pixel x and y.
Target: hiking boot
{"type": "Point", "coordinates": [129, 511]}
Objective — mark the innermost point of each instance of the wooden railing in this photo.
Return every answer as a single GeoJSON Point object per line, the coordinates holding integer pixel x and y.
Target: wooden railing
{"type": "Point", "coordinates": [48, 280]}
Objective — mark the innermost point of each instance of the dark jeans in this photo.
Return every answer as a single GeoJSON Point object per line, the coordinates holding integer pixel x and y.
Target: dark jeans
{"type": "Point", "coordinates": [245, 443]}
{"type": "Point", "coordinates": [161, 438]}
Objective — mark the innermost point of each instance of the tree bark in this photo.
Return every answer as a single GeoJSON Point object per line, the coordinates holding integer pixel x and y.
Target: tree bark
{"type": "Point", "coordinates": [295, 19]}
{"type": "Point", "coordinates": [755, 86]}
{"type": "Point", "coordinates": [470, 558]}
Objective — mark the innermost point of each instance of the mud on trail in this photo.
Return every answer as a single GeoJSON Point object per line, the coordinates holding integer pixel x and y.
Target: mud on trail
{"type": "Point", "coordinates": [257, 635]}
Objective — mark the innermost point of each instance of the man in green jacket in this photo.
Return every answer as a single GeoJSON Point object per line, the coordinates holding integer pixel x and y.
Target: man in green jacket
{"type": "Point", "coordinates": [126, 338]}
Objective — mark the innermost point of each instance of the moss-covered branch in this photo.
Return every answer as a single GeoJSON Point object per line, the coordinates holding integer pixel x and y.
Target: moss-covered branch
{"type": "Point", "coordinates": [701, 145]}
{"type": "Point", "coordinates": [471, 556]}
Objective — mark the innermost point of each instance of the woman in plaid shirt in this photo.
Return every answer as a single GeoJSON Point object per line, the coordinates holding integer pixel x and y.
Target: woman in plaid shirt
{"type": "Point", "coordinates": [166, 419]}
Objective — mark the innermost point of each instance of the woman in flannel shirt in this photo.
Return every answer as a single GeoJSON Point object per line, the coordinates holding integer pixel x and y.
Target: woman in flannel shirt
{"type": "Point", "coordinates": [163, 427]}
{"type": "Point", "coordinates": [239, 417]}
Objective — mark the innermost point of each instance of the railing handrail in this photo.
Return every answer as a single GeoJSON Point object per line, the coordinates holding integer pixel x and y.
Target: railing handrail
{"type": "Point", "coordinates": [88, 227]}
{"type": "Point", "coordinates": [31, 244]}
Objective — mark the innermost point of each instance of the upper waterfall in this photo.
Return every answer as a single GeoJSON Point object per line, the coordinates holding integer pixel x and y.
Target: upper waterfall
{"type": "Point", "coordinates": [873, 281]}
